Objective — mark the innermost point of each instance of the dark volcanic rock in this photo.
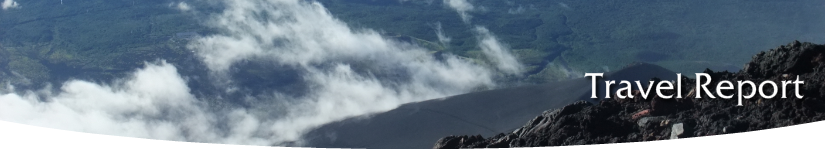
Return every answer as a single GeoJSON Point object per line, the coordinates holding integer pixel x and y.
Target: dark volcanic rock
{"type": "Point", "coordinates": [630, 120]}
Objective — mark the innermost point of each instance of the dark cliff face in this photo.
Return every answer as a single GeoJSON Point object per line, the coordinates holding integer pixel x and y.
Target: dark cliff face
{"type": "Point", "coordinates": [631, 120]}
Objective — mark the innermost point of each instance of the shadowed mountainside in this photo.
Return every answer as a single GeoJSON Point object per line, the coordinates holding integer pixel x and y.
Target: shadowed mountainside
{"type": "Point", "coordinates": [417, 125]}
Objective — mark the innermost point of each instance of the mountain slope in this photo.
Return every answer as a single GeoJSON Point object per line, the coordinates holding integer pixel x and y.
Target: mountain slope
{"type": "Point", "coordinates": [417, 125]}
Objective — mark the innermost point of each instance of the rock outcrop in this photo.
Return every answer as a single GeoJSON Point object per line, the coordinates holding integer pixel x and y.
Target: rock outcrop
{"type": "Point", "coordinates": [631, 120]}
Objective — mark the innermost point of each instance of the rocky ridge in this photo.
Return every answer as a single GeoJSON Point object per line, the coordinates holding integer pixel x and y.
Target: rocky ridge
{"type": "Point", "coordinates": [631, 120]}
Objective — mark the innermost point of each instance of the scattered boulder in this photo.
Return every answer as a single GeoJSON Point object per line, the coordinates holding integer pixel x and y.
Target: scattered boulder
{"type": "Point", "coordinates": [677, 130]}
{"type": "Point", "coordinates": [640, 114]}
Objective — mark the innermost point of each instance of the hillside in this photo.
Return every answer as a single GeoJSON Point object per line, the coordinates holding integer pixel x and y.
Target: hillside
{"type": "Point", "coordinates": [633, 120]}
{"type": "Point", "coordinates": [417, 125]}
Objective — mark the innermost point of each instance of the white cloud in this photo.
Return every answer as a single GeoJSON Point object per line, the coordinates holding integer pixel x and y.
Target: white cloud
{"type": "Point", "coordinates": [306, 35]}
{"type": "Point", "coordinates": [497, 52]}
{"type": "Point", "coordinates": [342, 66]}
{"type": "Point", "coordinates": [489, 44]}
{"type": "Point", "coordinates": [182, 6]}
{"type": "Point", "coordinates": [154, 102]}
{"type": "Point", "coordinates": [7, 88]}
{"type": "Point", "coordinates": [462, 7]}
{"type": "Point", "coordinates": [9, 4]}
{"type": "Point", "coordinates": [443, 39]}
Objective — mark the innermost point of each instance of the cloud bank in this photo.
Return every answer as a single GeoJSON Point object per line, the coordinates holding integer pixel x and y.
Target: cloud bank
{"type": "Point", "coordinates": [462, 7]}
{"type": "Point", "coordinates": [153, 103]}
{"type": "Point", "coordinates": [349, 73]}
{"type": "Point", "coordinates": [339, 62]}
{"type": "Point", "coordinates": [9, 4]}
{"type": "Point", "coordinates": [439, 33]}
{"type": "Point", "coordinates": [497, 52]}
{"type": "Point", "coordinates": [494, 50]}
{"type": "Point", "coordinates": [182, 6]}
